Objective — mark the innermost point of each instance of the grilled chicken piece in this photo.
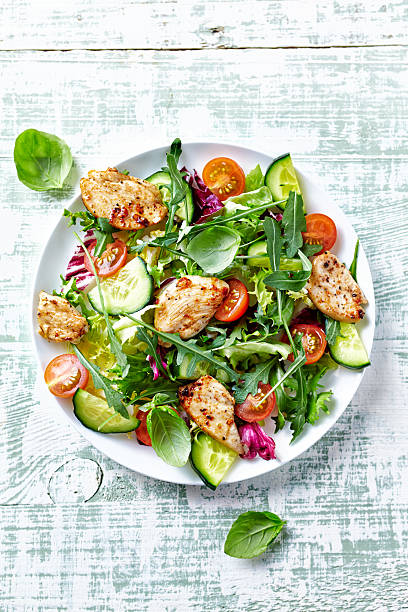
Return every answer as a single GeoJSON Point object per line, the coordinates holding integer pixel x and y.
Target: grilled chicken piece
{"type": "Point", "coordinates": [187, 304]}
{"type": "Point", "coordinates": [58, 320]}
{"type": "Point", "coordinates": [334, 291]}
{"type": "Point", "coordinates": [211, 407]}
{"type": "Point", "coordinates": [127, 202]}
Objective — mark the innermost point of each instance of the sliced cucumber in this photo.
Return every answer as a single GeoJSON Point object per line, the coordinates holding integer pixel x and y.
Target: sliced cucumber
{"type": "Point", "coordinates": [281, 178]}
{"type": "Point", "coordinates": [95, 414]}
{"type": "Point", "coordinates": [259, 258]}
{"type": "Point", "coordinates": [348, 350]}
{"type": "Point", "coordinates": [201, 368]}
{"type": "Point", "coordinates": [163, 181]}
{"type": "Point", "coordinates": [210, 459]}
{"type": "Point", "coordinates": [126, 291]}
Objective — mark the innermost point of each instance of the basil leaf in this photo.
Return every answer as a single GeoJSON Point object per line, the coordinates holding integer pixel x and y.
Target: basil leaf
{"type": "Point", "coordinates": [293, 281]}
{"type": "Point", "coordinates": [249, 383]}
{"type": "Point", "coordinates": [293, 221]}
{"type": "Point", "coordinates": [332, 329]}
{"type": "Point", "coordinates": [252, 533]}
{"type": "Point", "coordinates": [42, 160]}
{"type": "Point", "coordinates": [214, 249]}
{"type": "Point", "coordinates": [254, 179]}
{"type": "Point", "coordinates": [274, 242]}
{"type": "Point", "coordinates": [353, 267]}
{"type": "Point", "coordinates": [113, 397]}
{"type": "Point", "coordinates": [170, 436]}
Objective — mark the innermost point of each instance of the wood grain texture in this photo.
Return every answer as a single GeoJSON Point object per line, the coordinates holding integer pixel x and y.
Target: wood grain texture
{"type": "Point", "coordinates": [139, 544]}
{"type": "Point", "coordinates": [179, 24]}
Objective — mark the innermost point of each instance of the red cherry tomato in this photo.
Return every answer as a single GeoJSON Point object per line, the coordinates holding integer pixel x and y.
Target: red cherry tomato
{"type": "Point", "coordinates": [320, 229]}
{"type": "Point", "coordinates": [235, 304]}
{"type": "Point", "coordinates": [111, 260]}
{"type": "Point", "coordinates": [313, 341]}
{"type": "Point", "coordinates": [141, 432]}
{"type": "Point", "coordinates": [250, 412]}
{"type": "Point", "coordinates": [224, 177]}
{"type": "Point", "coordinates": [65, 374]}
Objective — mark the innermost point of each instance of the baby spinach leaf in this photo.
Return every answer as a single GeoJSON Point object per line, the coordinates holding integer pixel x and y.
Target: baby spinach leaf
{"type": "Point", "coordinates": [113, 397]}
{"type": "Point", "coordinates": [42, 160]}
{"type": "Point", "coordinates": [170, 435]}
{"type": "Point", "coordinates": [254, 179]}
{"type": "Point", "coordinates": [353, 267]}
{"type": "Point", "coordinates": [252, 533]}
{"type": "Point", "coordinates": [294, 223]}
{"type": "Point", "coordinates": [214, 248]}
{"type": "Point", "coordinates": [332, 329]}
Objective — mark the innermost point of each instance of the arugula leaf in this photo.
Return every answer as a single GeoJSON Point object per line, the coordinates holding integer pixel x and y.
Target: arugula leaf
{"type": "Point", "coordinates": [250, 380]}
{"type": "Point", "coordinates": [294, 223]}
{"type": "Point", "coordinates": [280, 396]}
{"type": "Point", "coordinates": [115, 345]}
{"type": "Point", "coordinates": [252, 533]}
{"type": "Point", "coordinates": [178, 188]}
{"type": "Point", "coordinates": [274, 242]}
{"type": "Point", "coordinates": [189, 346]}
{"type": "Point", "coordinates": [254, 179]}
{"type": "Point", "coordinates": [151, 342]}
{"type": "Point", "coordinates": [285, 314]}
{"type": "Point", "coordinates": [318, 403]}
{"type": "Point", "coordinates": [113, 397]}
{"type": "Point", "coordinates": [300, 401]}
{"type": "Point", "coordinates": [353, 267]}
{"type": "Point", "coordinates": [170, 435]}
{"type": "Point", "coordinates": [332, 329]}
{"type": "Point", "coordinates": [293, 281]}
{"type": "Point", "coordinates": [311, 249]}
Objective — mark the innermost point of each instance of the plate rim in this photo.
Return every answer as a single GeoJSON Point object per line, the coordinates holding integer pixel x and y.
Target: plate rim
{"type": "Point", "coordinates": [141, 150]}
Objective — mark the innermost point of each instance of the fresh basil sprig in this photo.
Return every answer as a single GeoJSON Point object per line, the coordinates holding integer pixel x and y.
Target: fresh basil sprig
{"type": "Point", "coordinates": [252, 533]}
{"type": "Point", "coordinates": [42, 160]}
{"type": "Point", "coordinates": [170, 435]}
{"type": "Point", "coordinates": [115, 345]}
{"type": "Point", "coordinates": [112, 396]}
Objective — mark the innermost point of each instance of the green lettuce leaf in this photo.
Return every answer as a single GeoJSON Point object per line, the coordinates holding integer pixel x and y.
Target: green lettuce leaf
{"type": "Point", "coordinates": [243, 350]}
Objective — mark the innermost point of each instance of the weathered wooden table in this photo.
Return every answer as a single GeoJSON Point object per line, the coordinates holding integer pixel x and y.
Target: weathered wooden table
{"type": "Point", "coordinates": [78, 532]}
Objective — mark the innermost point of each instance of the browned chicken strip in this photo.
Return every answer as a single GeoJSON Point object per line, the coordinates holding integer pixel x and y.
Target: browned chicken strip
{"type": "Point", "coordinates": [187, 304]}
{"type": "Point", "coordinates": [58, 320]}
{"type": "Point", "coordinates": [127, 202]}
{"type": "Point", "coordinates": [334, 291]}
{"type": "Point", "coordinates": [211, 407]}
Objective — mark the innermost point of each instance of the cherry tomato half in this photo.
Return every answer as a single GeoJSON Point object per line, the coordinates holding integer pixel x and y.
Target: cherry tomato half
{"type": "Point", "coordinates": [320, 229]}
{"type": "Point", "coordinates": [250, 412]}
{"type": "Point", "coordinates": [65, 374]}
{"type": "Point", "coordinates": [141, 432]}
{"type": "Point", "coordinates": [313, 341]}
{"type": "Point", "coordinates": [235, 304]}
{"type": "Point", "coordinates": [224, 177]}
{"type": "Point", "coordinates": [111, 260]}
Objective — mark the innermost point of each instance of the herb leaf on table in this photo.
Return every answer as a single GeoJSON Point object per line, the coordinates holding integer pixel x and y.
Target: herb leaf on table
{"type": "Point", "coordinates": [252, 533]}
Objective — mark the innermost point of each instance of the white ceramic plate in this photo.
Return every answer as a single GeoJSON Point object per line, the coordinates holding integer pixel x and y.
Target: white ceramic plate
{"type": "Point", "coordinates": [344, 383]}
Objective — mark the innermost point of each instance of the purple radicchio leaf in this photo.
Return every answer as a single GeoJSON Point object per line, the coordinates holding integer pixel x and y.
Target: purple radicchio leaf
{"type": "Point", "coordinates": [257, 442]}
{"type": "Point", "coordinates": [205, 201]}
{"type": "Point", "coordinates": [76, 265]}
{"type": "Point", "coordinates": [153, 364]}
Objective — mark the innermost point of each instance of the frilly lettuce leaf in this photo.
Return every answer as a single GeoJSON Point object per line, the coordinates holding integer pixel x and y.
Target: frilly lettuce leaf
{"type": "Point", "coordinates": [244, 350]}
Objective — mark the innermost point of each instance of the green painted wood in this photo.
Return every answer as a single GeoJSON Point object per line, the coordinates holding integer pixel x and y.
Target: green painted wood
{"type": "Point", "coordinates": [139, 544]}
{"type": "Point", "coordinates": [177, 24]}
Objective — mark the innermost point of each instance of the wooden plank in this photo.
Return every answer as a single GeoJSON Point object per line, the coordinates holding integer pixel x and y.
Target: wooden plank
{"type": "Point", "coordinates": [139, 544]}
{"type": "Point", "coordinates": [169, 24]}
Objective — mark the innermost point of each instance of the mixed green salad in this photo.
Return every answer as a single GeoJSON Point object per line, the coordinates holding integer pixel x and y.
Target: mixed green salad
{"type": "Point", "coordinates": [198, 309]}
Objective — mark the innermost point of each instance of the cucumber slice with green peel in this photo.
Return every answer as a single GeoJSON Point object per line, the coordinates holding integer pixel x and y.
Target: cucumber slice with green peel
{"type": "Point", "coordinates": [95, 413]}
{"type": "Point", "coordinates": [127, 291]}
{"type": "Point", "coordinates": [163, 181]}
{"type": "Point", "coordinates": [210, 459]}
{"type": "Point", "coordinates": [201, 368]}
{"type": "Point", "coordinates": [258, 257]}
{"type": "Point", "coordinates": [348, 350]}
{"type": "Point", "coordinates": [281, 178]}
